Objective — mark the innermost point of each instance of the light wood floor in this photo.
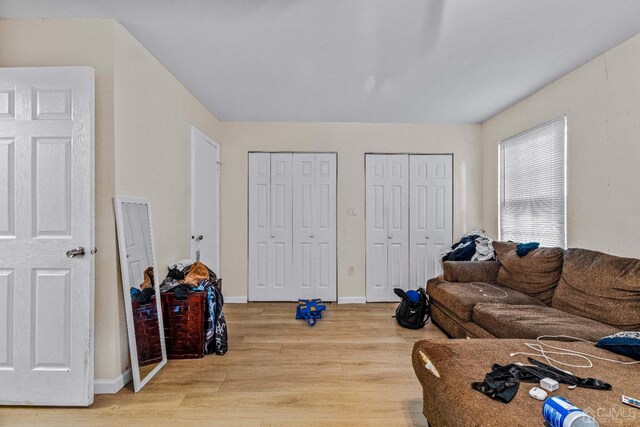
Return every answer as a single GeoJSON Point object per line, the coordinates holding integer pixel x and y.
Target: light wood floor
{"type": "Point", "coordinates": [352, 368]}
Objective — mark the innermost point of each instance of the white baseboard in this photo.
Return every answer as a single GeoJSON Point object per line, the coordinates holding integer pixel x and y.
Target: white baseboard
{"type": "Point", "coordinates": [235, 300]}
{"type": "Point", "coordinates": [352, 300]}
{"type": "Point", "coordinates": [112, 386]}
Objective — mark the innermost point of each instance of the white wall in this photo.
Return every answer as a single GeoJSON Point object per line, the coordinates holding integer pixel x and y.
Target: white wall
{"type": "Point", "coordinates": [602, 103]}
{"type": "Point", "coordinates": [351, 141]}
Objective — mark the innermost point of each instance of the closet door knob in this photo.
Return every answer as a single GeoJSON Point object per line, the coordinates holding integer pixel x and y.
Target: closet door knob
{"type": "Point", "coordinates": [312, 235]}
{"type": "Point", "coordinates": [427, 237]}
{"type": "Point", "coordinates": [273, 236]}
{"type": "Point", "coordinates": [389, 237]}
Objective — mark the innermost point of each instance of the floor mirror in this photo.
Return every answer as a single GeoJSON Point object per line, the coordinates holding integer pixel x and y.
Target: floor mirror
{"type": "Point", "coordinates": [141, 288]}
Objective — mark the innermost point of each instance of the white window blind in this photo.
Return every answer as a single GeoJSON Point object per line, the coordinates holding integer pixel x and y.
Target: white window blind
{"type": "Point", "coordinates": [532, 185]}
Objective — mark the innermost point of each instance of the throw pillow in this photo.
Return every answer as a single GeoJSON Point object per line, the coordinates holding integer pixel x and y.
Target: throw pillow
{"type": "Point", "coordinates": [625, 343]}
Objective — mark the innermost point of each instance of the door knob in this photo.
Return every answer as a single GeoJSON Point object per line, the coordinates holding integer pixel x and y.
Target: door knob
{"type": "Point", "coordinates": [427, 237]}
{"type": "Point", "coordinates": [273, 236]}
{"type": "Point", "coordinates": [76, 253]}
{"type": "Point", "coordinates": [198, 237]}
{"type": "Point", "coordinates": [389, 237]}
{"type": "Point", "coordinates": [312, 235]}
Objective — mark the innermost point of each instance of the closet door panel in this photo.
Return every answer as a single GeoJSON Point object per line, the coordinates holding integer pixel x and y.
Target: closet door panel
{"type": "Point", "coordinates": [398, 223]}
{"type": "Point", "coordinates": [303, 224]}
{"type": "Point", "coordinates": [376, 226]}
{"type": "Point", "coordinates": [441, 228]}
{"type": "Point", "coordinates": [431, 215]}
{"type": "Point", "coordinates": [314, 226]}
{"type": "Point", "coordinates": [281, 226]}
{"type": "Point", "coordinates": [421, 250]}
{"type": "Point", "coordinates": [387, 225]}
{"type": "Point", "coordinates": [324, 235]}
{"type": "Point", "coordinates": [259, 226]}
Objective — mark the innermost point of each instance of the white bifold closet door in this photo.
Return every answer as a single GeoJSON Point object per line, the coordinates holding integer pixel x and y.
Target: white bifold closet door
{"type": "Point", "coordinates": [409, 206]}
{"type": "Point", "coordinates": [270, 226]}
{"type": "Point", "coordinates": [387, 214]}
{"type": "Point", "coordinates": [314, 226]}
{"type": "Point", "coordinates": [431, 215]}
{"type": "Point", "coordinates": [292, 226]}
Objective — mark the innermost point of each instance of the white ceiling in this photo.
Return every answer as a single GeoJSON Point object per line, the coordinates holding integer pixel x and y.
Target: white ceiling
{"type": "Point", "coordinates": [361, 60]}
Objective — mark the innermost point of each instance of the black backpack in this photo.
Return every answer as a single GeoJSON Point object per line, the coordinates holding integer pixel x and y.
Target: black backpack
{"type": "Point", "coordinates": [412, 315]}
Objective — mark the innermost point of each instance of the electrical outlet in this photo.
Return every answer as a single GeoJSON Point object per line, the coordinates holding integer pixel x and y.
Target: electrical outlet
{"type": "Point", "coordinates": [351, 271]}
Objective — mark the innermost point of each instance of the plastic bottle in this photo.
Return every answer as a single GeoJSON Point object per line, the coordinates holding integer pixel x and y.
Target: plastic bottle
{"type": "Point", "coordinates": [559, 412]}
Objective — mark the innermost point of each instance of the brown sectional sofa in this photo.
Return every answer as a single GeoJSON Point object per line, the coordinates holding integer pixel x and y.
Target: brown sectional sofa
{"type": "Point", "coordinates": [505, 303]}
{"type": "Point", "coordinates": [577, 292]}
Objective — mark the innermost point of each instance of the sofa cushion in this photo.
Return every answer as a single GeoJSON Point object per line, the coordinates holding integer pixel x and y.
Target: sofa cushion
{"type": "Point", "coordinates": [454, 326]}
{"type": "Point", "coordinates": [471, 271]}
{"type": "Point", "coordinates": [460, 298]}
{"type": "Point", "coordinates": [531, 321]}
{"type": "Point", "coordinates": [535, 274]}
{"type": "Point", "coordinates": [601, 287]}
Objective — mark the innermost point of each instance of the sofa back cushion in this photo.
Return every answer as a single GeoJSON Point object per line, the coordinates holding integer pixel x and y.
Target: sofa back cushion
{"type": "Point", "coordinates": [600, 287]}
{"type": "Point", "coordinates": [535, 274]}
{"type": "Point", "coordinates": [471, 271]}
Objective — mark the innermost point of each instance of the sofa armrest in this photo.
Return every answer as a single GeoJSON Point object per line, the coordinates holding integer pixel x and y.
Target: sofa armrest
{"type": "Point", "coordinates": [471, 271]}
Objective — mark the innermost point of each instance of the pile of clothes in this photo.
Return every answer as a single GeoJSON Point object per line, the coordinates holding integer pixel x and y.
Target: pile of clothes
{"type": "Point", "coordinates": [185, 278]}
{"type": "Point", "coordinates": [473, 246]}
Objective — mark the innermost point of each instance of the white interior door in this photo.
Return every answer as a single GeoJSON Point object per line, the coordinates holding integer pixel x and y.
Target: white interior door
{"type": "Point", "coordinates": [270, 226]}
{"type": "Point", "coordinates": [377, 267]}
{"type": "Point", "coordinates": [138, 242]}
{"type": "Point", "coordinates": [281, 226]}
{"type": "Point", "coordinates": [259, 226]}
{"type": "Point", "coordinates": [314, 226]}
{"type": "Point", "coordinates": [205, 200]}
{"type": "Point", "coordinates": [387, 225]}
{"type": "Point", "coordinates": [431, 221]}
{"type": "Point", "coordinates": [398, 221]}
{"type": "Point", "coordinates": [46, 209]}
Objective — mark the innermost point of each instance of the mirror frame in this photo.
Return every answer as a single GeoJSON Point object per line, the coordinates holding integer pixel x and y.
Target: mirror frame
{"type": "Point", "coordinates": [138, 382]}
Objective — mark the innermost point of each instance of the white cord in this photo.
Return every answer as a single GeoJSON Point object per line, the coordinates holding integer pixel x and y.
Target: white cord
{"type": "Point", "coordinates": [480, 288]}
{"type": "Point", "coordinates": [565, 352]}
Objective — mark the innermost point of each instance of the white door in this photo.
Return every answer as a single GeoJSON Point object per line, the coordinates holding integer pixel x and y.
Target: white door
{"type": "Point", "coordinates": [138, 242]}
{"type": "Point", "coordinates": [270, 226]}
{"type": "Point", "coordinates": [281, 226]}
{"type": "Point", "coordinates": [409, 220]}
{"type": "Point", "coordinates": [431, 220]}
{"type": "Point", "coordinates": [259, 226]}
{"type": "Point", "coordinates": [314, 226]}
{"type": "Point", "coordinates": [205, 200]}
{"type": "Point", "coordinates": [46, 209]}
{"type": "Point", "coordinates": [387, 229]}
{"type": "Point", "coordinates": [377, 284]}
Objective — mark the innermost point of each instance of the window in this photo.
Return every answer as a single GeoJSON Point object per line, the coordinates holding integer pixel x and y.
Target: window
{"type": "Point", "coordinates": [532, 185]}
